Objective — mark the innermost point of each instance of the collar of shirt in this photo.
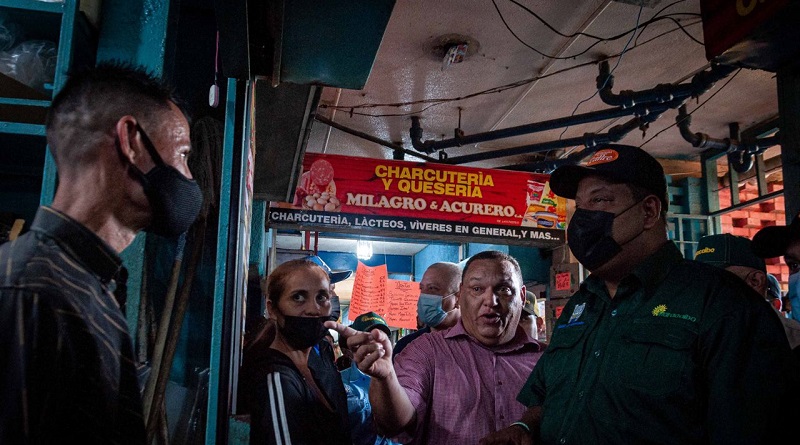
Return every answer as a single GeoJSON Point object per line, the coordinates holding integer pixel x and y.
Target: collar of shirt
{"type": "Point", "coordinates": [354, 375]}
{"type": "Point", "coordinates": [520, 340]}
{"type": "Point", "coordinates": [649, 273]}
{"type": "Point", "coordinates": [81, 243]}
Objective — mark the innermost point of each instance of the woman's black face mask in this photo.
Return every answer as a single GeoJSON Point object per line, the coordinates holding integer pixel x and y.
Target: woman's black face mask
{"type": "Point", "coordinates": [303, 332]}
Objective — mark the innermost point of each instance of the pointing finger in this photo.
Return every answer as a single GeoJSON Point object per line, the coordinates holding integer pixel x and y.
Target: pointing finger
{"type": "Point", "coordinates": [346, 331]}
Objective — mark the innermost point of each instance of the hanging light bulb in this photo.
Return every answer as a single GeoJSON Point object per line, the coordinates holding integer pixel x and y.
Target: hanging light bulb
{"type": "Point", "coordinates": [364, 250]}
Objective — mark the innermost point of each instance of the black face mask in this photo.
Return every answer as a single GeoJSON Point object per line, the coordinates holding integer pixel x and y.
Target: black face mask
{"type": "Point", "coordinates": [303, 332]}
{"type": "Point", "coordinates": [175, 200]}
{"type": "Point", "coordinates": [590, 237]}
{"type": "Point", "coordinates": [336, 308]}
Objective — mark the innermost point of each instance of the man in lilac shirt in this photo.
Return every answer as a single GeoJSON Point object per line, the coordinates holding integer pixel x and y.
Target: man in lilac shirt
{"type": "Point", "coordinates": [460, 384]}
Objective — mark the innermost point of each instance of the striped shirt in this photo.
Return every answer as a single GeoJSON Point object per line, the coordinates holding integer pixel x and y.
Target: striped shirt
{"type": "Point", "coordinates": [67, 373]}
{"type": "Point", "coordinates": [462, 390]}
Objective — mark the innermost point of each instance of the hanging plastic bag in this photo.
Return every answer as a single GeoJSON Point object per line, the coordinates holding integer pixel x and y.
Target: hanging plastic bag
{"type": "Point", "coordinates": [32, 63]}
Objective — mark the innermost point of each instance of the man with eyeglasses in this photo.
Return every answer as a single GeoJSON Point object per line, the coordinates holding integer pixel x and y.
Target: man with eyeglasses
{"type": "Point", "coordinates": [437, 306]}
{"type": "Point", "coordinates": [456, 385]}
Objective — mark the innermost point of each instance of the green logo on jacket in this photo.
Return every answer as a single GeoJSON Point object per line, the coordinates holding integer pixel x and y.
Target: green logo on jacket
{"type": "Point", "coordinates": [661, 311]}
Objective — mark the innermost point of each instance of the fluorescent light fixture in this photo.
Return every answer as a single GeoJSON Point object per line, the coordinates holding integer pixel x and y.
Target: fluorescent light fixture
{"type": "Point", "coordinates": [364, 250]}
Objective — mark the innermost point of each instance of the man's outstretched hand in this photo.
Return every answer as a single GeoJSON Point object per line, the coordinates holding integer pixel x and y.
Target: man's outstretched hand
{"type": "Point", "coordinates": [372, 351]}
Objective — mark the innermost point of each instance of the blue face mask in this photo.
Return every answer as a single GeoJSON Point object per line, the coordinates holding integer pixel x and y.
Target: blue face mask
{"type": "Point", "coordinates": [794, 295]}
{"type": "Point", "coordinates": [429, 309]}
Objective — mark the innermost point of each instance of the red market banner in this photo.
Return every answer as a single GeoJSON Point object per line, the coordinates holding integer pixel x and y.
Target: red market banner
{"type": "Point", "coordinates": [361, 194]}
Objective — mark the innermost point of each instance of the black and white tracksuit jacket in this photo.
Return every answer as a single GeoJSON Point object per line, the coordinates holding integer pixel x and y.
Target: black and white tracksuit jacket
{"type": "Point", "coordinates": [285, 409]}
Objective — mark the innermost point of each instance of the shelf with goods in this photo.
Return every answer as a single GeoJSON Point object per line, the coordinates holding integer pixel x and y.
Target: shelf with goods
{"type": "Point", "coordinates": [23, 106]}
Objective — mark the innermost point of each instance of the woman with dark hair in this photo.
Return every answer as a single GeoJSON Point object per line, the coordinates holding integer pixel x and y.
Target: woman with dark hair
{"type": "Point", "coordinates": [290, 404]}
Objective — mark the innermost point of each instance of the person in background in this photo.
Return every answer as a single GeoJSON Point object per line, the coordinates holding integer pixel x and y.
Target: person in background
{"type": "Point", "coordinates": [735, 254]}
{"type": "Point", "coordinates": [356, 385]}
{"type": "Point", "coordinates": [530, 320]}
{"type": "Point", "coordinates": [454, 386]}
{"type": "Point", "coordinates": [652, 348]}
{"type": "Point", "coordinates": [775, 241]}
{"type": "Point", "coordinates": [437, 306]}
{"type": "Point", "coordinates": [288, 402]}
{"type": "Point", "coordinates": [120, 143]}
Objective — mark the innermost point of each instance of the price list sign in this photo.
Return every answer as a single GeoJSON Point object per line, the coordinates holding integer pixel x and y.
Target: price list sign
{"type": "Point", "coordinates": [369, 290]}
{"type": "Point", "coordinates": [394, 300]}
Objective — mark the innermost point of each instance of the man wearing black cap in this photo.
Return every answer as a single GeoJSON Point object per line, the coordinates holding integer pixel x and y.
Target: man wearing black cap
{"type": "Point", "coordinates": [735, 254]}
{"type": "Point", "coordinates": [775, 241]}
{"type": "Point", "coordinates": [652, 348]}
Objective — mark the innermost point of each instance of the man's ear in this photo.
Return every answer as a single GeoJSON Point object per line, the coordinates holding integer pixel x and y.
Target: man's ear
{"type": "Point", "coordinates": [652, 210]}
{"type": "Point", "coordinates": [757, 280]}
{"type": "Point", "coordinates": [127, 135]}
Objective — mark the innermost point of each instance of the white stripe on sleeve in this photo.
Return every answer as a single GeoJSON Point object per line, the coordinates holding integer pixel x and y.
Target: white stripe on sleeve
{"type": "Point", "coordinates": [274, 401]}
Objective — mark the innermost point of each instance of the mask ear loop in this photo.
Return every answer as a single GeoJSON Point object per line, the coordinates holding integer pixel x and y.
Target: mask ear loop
{"type": "Point", "coordinates": [148, 145]}
{"type": "Point", "coordinates": [136, 171]}
{"type": "Point", "coordinates": [631, 206]}
{"type": "Point", "coordinates": [456, 306]}
{"type": "Point", "coordinates": [620, 214]}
